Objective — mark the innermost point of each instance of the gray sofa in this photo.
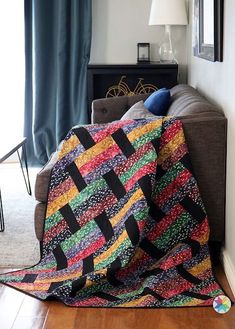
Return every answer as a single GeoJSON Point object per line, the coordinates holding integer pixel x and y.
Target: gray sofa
{"type": "Point", "coordinates": [205, 131]}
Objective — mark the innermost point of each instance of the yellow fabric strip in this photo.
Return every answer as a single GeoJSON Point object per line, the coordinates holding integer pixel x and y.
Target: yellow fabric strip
{"type": "Point", "coordinates": [95, 150]}
{"type": "Point", "coordinates": [134, 198]}
{"type": "Point", "coordinates": [90, 283]}
{"type": "Point", "coordinates": [194, 302]}
{"type": "Point", "coordinates": [203, 238]}
{"type": "Point", "coordinates": [60, 278]}
{"type": "Point", "coordinates": [201, 267]}
{"type": "Point", "coordinates": [135, 302]}
{"type": "Point", "coordinates": [170, 147]}
{"type": "Point", "coordinates": [112, 249]}
{"type": "Point", "coordinates": [136, 133]}
{"type": "Point", "coordinates": [114, 220]}
{"type": "Point", "coordinates": [33, 287]}
{"type": "Point", "coordinates": [138, 255]}
{"type": "Point", "coordinates": [61, 201]}
{"type": "Point", "coordinates": [68, 146]}
{"type": "Point", "coordinates": [73, 275]}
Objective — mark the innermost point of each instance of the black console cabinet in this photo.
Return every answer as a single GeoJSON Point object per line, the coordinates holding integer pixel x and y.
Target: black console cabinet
{"type": "Point", "coordinates": [118, 80]}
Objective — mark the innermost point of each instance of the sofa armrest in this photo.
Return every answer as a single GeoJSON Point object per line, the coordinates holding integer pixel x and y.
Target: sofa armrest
{"type": "Point", "coordinates": [43, 179]}
{"type": "Point", "coordinates": [206, 139]}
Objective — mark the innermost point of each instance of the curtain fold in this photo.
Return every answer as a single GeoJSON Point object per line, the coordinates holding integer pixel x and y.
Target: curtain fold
{"type": "Point", "coordinates": [57, 48]}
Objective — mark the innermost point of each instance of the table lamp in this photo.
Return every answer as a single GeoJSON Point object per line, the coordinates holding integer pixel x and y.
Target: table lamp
{"type": "Point", "coordinates": [168, 12]}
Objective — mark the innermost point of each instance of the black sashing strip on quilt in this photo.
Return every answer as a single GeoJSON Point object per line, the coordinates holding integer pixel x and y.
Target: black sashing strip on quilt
{"type": "Point", "coordinates": [193, 209]}
{"type": "Point", "coordinates": [70, 218]}
{"type": "Point", "coordinates": [115, 184]}
{"type": "Point", "coordinates": [151, 250]}
{"type": "Point", "coordinates": [76, 176]}
{"type": "Point", "coordinates": [88, 264]}
{"type": "Point", "coordinates": [77, 285]}
{"type": "Point", "coordinates": [115, 266]}
{"type": "Point", "coordinates": [186, 275]}
{"type": "Point", "coordinates": [29, 278]}
{"type": "Point", "coordinates": [54, 285]}
{"type": "Point", "coordinates": [155, 212]}
{"type": "Point", "coordinates": [145, 185]}
{"type": "Point", "coordinates": [84, 137]}
{"type": "Point", "coordinates": [148, 291]}
{"type": "Point", "coordinates": [105, 296]}
{"type": "Point", "coordinates": [196, 295]}
{"type": "Point", "coordinates": [123, 142]}
{"type": "Point", "coordinates": [132, 230]}
{"type": "Point", "coordinates": [194, 245]}
{"type": "Point", "coordinates": [61, 260]}
{"type": "Point", "coordinates": [105, 226]}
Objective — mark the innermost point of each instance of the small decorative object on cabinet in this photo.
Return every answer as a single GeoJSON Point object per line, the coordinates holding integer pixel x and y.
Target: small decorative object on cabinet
{"type": "Point", "coordinates": [128, 79]}
{"type": "Point", "coordinates": [143, 52]}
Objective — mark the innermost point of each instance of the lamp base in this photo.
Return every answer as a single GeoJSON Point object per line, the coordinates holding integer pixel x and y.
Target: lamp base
{"type": "Point", "coordinates": [168, 61]}
{"type": "Point", "coordinates": [166, 53]}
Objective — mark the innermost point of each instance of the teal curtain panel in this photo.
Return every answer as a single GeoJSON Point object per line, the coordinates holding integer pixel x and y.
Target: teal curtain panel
{"type": "Point", "coordinates": [57, 50]}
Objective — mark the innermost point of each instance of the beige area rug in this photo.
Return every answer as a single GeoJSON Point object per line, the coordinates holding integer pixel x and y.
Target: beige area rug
{"type": "Point", "coordinates": [19, 246]}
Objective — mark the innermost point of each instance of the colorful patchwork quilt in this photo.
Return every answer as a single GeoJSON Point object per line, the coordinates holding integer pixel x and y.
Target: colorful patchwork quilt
{"type": "Point", "coordinates": [125, 224]}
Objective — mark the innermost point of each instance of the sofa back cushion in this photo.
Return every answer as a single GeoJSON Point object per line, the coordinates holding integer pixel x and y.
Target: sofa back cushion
{"type": "Point", "coordinates": [185, 100]}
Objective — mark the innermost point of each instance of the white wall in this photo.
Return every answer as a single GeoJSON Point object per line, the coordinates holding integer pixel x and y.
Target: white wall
{"type": "Point", "coordinates": [117, 27]}
{"type": "Point", "coordinates": [216, 81]}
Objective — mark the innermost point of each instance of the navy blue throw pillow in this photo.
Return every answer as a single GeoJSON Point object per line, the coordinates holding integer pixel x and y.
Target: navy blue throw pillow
{"type": "Point", "coordinates": [158, 102]}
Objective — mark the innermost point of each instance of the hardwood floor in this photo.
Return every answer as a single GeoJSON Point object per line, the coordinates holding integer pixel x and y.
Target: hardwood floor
{"type": "Point", "coordinates": [19, 311]}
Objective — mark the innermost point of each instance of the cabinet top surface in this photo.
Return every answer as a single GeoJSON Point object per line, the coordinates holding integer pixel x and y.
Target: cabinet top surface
{"type": "Point", "coordinates": [151, 65]}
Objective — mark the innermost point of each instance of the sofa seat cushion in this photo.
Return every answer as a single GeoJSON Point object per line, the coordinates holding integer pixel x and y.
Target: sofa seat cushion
{"type": "Point", "coordinates": [43, 179]}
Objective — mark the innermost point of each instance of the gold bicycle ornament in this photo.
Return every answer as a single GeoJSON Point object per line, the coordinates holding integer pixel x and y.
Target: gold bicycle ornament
{"type": "Point", "coordinates": [122, 88]}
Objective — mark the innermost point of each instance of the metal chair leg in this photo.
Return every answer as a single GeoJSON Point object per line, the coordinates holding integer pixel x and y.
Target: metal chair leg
{"type": "Point", "coordinates": [26, 177]}
{"type": "Point", "coordinates": [2, 225]}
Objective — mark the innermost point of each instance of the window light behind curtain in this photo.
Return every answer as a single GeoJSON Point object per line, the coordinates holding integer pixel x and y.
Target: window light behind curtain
{"type": "Point", "coordinates": [12, 69]}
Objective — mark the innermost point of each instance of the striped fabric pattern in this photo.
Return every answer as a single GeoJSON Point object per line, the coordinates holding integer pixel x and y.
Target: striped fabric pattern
{"type": "Point", "coordinates": [125, 224]}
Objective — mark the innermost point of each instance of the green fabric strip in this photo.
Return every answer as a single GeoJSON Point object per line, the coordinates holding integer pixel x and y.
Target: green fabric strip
{"type": "Point", "coordinates": [148, 137]}
{"type": "Point", "coordinates": [170, 175]}
{"type": "Point", "coordinates": [78, 236]}
{"type": "Point", "coordinates": [52, 220]}
{"type": "Point", "coordinates": [90, 190]}
{"type": "Point", "coordinates": [147, 158]}
{"type": "Point", "coordinates": [173, 230]}
{"type": "Point", "coordinates": [123, 246]}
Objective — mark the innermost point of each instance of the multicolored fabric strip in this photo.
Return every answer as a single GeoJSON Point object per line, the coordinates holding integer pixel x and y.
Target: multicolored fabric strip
{"type": "Point", "coordinates": [125, 224]}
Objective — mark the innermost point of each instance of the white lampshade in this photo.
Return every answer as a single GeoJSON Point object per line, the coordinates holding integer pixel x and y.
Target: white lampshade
{"type": "Point", "coordinates": [168, 12]}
